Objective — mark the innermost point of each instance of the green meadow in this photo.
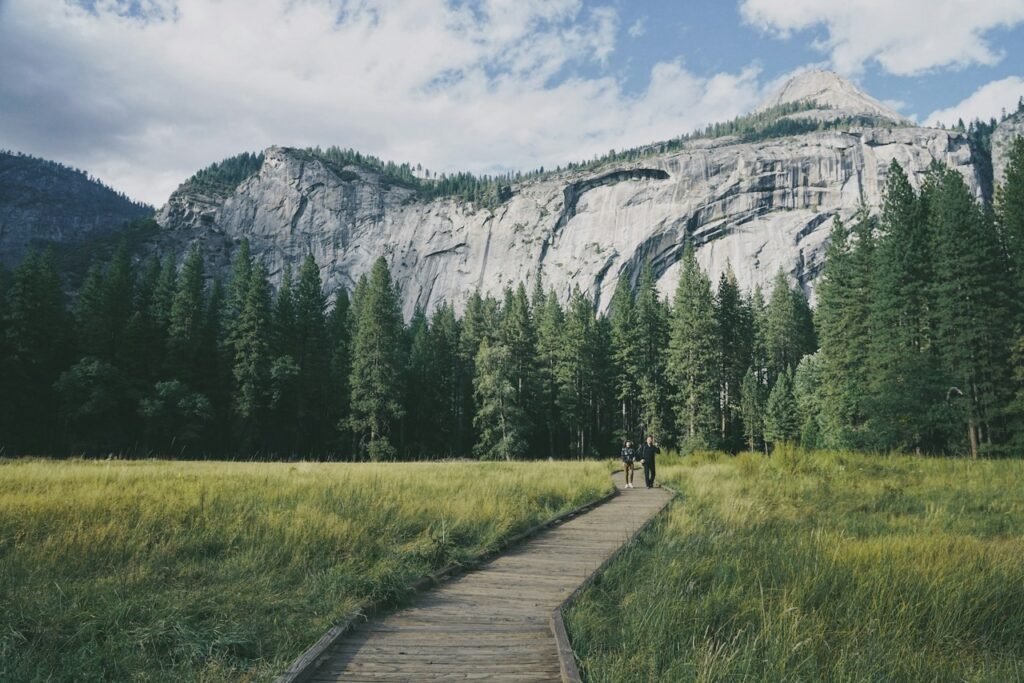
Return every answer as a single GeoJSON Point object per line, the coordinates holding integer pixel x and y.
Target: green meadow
{"type": "Point", "coordinates": [817, 567]}
{"type": "Point", "coordinates": [213, 571]}
{"type": "Point", "coordinates": [802, 566]}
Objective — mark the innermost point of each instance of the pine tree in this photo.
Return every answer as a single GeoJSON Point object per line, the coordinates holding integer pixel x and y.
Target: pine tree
{"type": "Point", "coordinates": [789, 334]}
{"type": "Point", "coordinates": [626, 348]}
{"type": "Point", "coordinates": [185, 327]}
{"type": "Point", "coordinates": [519, 337]}
{"type": "Point", "coordinates": [759, 336]}
{"type": "Point", "coordinates": [603, 402]}
{"type": "Point", "coordinates": [549, 347]}
{"type": "Point", "coordinates": [652, 329]}
{"type": "Point", "coordinates": [313, 360]}
{"type": "Point", "coordinates": [500, 419]}
{"type": "Point", "coordinates": [90, 326]}
{"type": "Point", "coordinates": [143, 341]}
{"type": "Point", "coordinates": [576, 374]}
{"type": "Point", "coordinates": [119, 297]}
{"type": "Point", "coordinates": [692, 356]}
{"type": "Point", "coordinates": [38, 350]}
{"type": "Point", "coordinates": [781, 417]}
{"type": "Point", "coordinates": [480, 321]}
{"type": "Point", "coordinates": [444, 351]}
{"type": "Point", "coordinates": [238, 283]}
{"type": "Point", "coordinates": [237, 292]}
{"type": "Point", "coordinates": [97, 401]}
{"type": "Point", "coordinates": [901, 367]}
{"type": "Point", "coordinates": [215, 370]}
{"type": "Point", "coordinates": [752, 399]}
{"type": "Point", "coordinates": [538, 297]}
{"type": "Point", "coordinates": [284, 368]}
{"type": "Point", "coordinates": [163, 301]}
{"type": "Point", "coordinates": [807, 394]}
{"type": "Point", "coordinates": [1010, 217]}
{"type": "Point", "coordinates": [420, 400]}
{"type": "Point", "coordinates": [284, 338]}
{"type": "Point", "coordinates": [971, 305]}
{"type": "Point", "coordinates": [844, 300]}
{"type": "Point", "coordinates": [339, 327]}
{"type": "Point", "coordinates": [103, 307]}
{"type": "Point", "coordinates": [377, 363]}
{"type": "Point", "coordinates": [734, 323]}
{"type": "Point", "coordinates": [252, 364]}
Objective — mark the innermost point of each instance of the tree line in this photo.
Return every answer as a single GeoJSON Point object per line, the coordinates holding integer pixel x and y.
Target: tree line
{"type": "Point", "coordinates": [153, 359]}
{"type": "Point", "coordinates": [920, 317]}
{"type": "Point", "coordinates": [917, 344]}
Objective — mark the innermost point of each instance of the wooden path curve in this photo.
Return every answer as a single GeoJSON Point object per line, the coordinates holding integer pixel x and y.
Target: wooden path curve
{"type": "Point", "coordinates": [494, 623]}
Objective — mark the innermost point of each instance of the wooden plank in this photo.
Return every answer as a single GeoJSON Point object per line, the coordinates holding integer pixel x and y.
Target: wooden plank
{"type": "Point", "coordinates": [495, 622]}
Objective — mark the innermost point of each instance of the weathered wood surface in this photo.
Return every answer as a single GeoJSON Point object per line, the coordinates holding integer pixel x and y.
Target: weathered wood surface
{"type": "Point", "coordinates": [494, 623]}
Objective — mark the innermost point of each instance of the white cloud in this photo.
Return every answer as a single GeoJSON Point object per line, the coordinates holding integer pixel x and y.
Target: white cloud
{"type": "Point", "coordinates": [638, 28]}
{"type": "Point", "coordinates": [897, 105]}
{"type": "Point", "coordinates": [142, 98]}
{"type": "Point", "coordinates": [987, 102]}
{"type": "Point", "coordinates": [905, 37]}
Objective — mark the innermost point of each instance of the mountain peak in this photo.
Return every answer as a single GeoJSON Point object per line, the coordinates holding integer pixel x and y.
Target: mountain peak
{"type": "Point", "coordinates": [832, 91]}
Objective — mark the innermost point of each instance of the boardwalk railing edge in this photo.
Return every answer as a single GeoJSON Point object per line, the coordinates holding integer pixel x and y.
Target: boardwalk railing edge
{"type": "Point", "coordinates": [307, 663]}
{"type": "Point", "coordinates": [566, 656]}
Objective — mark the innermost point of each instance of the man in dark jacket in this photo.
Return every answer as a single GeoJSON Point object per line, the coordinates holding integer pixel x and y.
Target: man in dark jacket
{"type": "Point", "coordinates": [646, 454]}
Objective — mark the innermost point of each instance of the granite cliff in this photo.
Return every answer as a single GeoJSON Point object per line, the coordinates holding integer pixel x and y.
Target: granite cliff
{"type": "Point", "coordinates": [756, 205]}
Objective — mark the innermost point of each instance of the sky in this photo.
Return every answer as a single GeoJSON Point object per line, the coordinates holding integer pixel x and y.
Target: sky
{"type": "Point", "coordinates": [142, 93]}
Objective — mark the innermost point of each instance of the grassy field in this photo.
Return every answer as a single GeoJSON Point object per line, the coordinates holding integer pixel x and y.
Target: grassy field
{"type": "Point", "coordinates": [818, 567]}
{"type": "Point", "coordinates": [163, 571]}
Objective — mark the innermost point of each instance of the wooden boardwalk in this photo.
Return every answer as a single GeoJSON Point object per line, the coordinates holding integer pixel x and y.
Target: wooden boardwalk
{"type": "Point", "coordinates": [494, 623]}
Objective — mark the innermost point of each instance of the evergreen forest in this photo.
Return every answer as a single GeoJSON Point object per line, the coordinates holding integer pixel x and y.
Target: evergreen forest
{"type": "Point", "coordinates": [916, 344]}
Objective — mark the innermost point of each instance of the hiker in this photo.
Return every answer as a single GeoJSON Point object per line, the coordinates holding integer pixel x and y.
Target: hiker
{"type": "Point", "coordinates": [628, 457]}
{"type": "Point", "coordinates": [646, 455]}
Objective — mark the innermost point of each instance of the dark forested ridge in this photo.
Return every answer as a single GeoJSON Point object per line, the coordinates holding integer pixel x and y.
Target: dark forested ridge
{"type": "Point", "coordinates": [916, 345]}
{"type": "Point", "coordinates": [47, 202]}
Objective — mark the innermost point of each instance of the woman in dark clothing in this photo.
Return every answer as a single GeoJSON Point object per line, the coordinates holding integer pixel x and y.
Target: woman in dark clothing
{"type": "Point", "coordinates": [628, 457]}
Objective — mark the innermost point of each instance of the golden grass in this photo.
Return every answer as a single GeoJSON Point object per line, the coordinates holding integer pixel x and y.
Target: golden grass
{"type": "Point", "coordinates": [818, 567]}
{"type": "Point", "coordinates": [212, 571]}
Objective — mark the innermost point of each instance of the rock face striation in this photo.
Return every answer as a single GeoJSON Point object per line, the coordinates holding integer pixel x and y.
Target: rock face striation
{"type": "Point", "coordinates": [43, 202]}
{"type": "Point", "coordinates": [754, 206]}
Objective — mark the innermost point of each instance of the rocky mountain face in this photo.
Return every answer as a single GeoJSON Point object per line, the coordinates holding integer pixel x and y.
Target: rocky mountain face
{"type": "Point", "coordinates": [43, 202]}
{"type": "Point", "coordinates": [755, 206]}
{"type": "Point", "coordinates": [834, 96]}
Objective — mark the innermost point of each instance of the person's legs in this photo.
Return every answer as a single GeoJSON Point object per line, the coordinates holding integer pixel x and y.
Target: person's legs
{"type": "Point", "coordinates": [628, 467]}
{"type": "Point", "coordinates": [649, 473]}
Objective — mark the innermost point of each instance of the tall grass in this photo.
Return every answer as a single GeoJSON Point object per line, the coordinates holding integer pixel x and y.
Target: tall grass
{"type": "Point", "coordinates": [818, 567]}
{"type": "Point", "coordinates": [153, 571]}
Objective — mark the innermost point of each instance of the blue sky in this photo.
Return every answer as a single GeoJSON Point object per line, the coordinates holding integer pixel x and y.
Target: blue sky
{"type": "Point", "coordinates": [143, 92]}
{"type": "Point", "coordinates": [712, 37]}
